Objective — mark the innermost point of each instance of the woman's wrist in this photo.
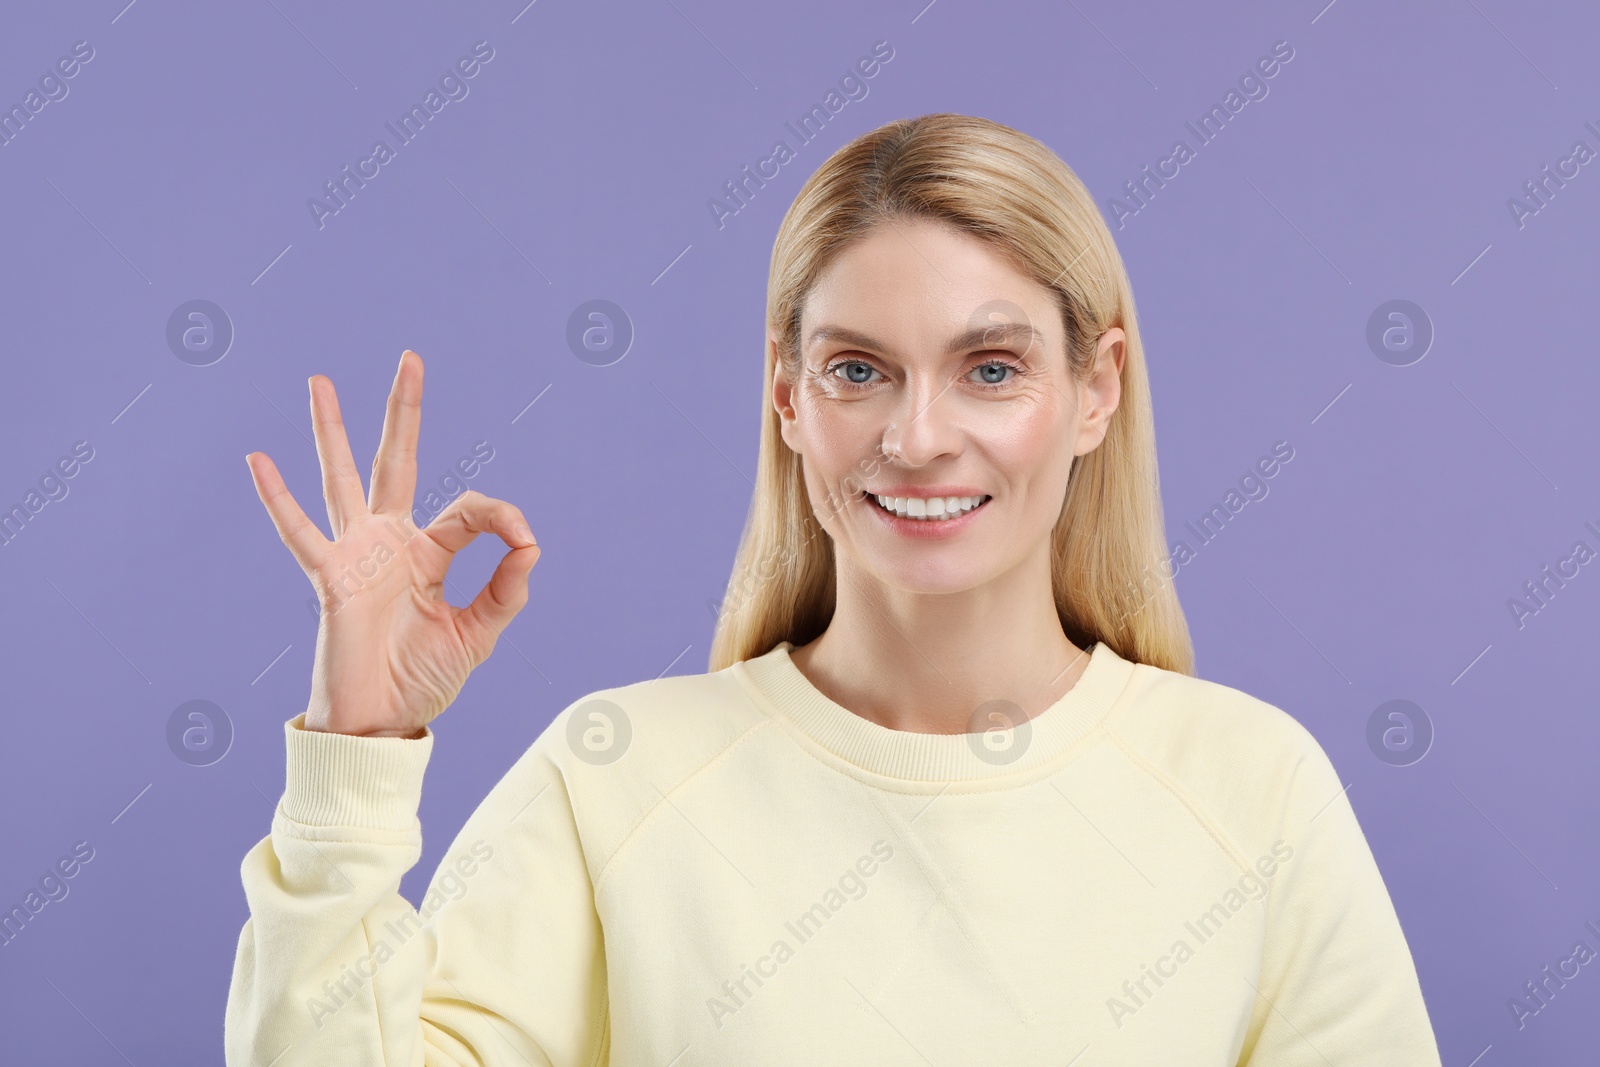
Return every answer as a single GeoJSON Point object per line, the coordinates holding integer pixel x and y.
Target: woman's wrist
{"type": "Point", "coordinates": [324, 724]}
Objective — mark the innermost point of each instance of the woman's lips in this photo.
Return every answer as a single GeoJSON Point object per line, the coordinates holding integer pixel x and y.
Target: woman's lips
{"type": "Point", "coordinates": [925, 528]}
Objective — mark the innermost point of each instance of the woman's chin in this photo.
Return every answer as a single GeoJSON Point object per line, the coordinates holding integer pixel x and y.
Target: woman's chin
{"type": "Point", "coordinates": [912, 575]}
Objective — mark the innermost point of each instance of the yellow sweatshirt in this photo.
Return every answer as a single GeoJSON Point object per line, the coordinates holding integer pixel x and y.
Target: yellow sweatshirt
{"type": "Point", "coordinates": [732, 869]}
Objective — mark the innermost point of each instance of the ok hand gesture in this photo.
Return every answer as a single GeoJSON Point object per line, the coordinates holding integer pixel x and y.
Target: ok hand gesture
{"type": "Point", "coordinates": [391, 652]}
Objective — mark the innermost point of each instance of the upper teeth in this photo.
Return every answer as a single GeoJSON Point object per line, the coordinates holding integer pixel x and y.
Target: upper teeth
{"type": "Point", "coordinates": [938, 507]}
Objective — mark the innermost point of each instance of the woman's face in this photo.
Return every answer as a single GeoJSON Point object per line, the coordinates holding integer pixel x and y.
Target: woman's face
{"type": "Point", "coordinates": [933, 369]}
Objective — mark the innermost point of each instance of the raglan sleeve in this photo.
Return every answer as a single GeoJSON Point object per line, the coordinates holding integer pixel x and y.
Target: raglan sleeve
{"type": "Point", "coordinates": [1337, 981]}
{"type": "Point", "coordinates": [502, 962]}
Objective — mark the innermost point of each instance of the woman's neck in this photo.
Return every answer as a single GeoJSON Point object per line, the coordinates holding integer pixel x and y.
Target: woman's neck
{"type": "Point", "coordinates": [927, 663]}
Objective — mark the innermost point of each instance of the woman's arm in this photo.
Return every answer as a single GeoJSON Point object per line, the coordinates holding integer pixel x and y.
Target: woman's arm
{"type": "Point", "coordinates": [502, 961]}
{"type": "Point", "coordinates": [334, 966]}
{"type": "Point", "coordinates": [1337, 983]}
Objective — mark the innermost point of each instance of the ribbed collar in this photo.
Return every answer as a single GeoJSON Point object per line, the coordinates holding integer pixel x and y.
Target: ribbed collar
{"type": "Point", "coordinates": [781, 688]}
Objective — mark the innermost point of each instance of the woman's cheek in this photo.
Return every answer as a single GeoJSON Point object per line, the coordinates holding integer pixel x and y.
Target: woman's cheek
{"type": "Point", "coordinates": [841, 453]}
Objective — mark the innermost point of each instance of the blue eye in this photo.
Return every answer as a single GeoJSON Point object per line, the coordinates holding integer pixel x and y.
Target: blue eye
{"type": "Point", "coordinates": [1017, 371]}
{"type": "Point", "coordinates": [853, 363]}
{"type": "Point", "coordinates": [996, 365]}
{"type": "Point", "coordinates": [858, 373]}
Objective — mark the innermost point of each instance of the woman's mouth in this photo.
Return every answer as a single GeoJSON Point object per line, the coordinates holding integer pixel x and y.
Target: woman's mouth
{"type": "Point", "coordinates": [929, 509]}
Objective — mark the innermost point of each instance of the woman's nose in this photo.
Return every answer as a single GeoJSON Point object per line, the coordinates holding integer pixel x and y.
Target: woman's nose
{"type": "Point", "coordinates": [922, 429]}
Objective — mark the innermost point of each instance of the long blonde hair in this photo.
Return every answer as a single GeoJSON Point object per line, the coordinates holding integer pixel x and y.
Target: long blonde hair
{"type": "Point", "coordinates": [1110, 571]}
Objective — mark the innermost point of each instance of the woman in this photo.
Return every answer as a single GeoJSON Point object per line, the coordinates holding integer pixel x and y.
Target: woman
{"type": "Point", "coordinates": [949, 792]}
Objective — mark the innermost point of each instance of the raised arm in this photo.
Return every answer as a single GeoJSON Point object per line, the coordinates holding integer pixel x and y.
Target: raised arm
{"type": "Point", "coordinates": [334, 966]}
{"type": "Point", "coordinates": [502, 961]}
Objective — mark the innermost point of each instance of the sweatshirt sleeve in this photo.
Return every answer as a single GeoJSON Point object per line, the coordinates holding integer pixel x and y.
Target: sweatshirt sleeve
{"type": "Point", "coordinates": [1337, 981]}
{"type": "Point", "coordinates": [501, 963]}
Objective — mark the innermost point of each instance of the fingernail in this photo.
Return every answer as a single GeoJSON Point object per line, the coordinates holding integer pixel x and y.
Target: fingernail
{"type": "Point", "coordinates": [523, 532]}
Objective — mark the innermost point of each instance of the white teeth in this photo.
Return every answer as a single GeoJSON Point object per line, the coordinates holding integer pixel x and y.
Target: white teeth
{"type": "Point", "coordinates": [929, 509]}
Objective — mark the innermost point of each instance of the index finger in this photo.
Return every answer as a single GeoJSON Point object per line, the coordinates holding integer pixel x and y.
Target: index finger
{"type": "Point", "coordinates": [473, 513]}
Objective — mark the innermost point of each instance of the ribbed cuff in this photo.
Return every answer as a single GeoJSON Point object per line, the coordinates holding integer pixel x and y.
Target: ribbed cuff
{"type": "Point", "coordinates": [342, 780]}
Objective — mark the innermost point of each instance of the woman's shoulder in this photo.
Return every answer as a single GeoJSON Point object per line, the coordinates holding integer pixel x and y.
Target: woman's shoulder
{"type": "Point", "coordinates": [1172, 710]}
{"type": "Point", "coordinates": [1226, 749]}
{"type": "Point", "coordinates": [670, 724]}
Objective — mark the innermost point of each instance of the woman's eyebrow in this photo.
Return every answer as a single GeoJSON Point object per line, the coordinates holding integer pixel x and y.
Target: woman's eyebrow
{"type": "Point", "coordinates": [990, 336]}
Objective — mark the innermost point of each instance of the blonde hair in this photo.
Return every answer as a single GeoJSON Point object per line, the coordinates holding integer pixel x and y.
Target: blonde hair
{"type": "Point", "coordinates": [1110, 568]}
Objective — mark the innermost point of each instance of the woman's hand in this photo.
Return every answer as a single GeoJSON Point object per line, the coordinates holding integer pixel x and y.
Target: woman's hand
{"type": "Point", "coordinates": [391, 652]}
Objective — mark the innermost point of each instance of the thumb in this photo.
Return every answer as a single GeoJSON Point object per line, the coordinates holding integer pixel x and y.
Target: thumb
{"type": "Point", "coordinates": [497, 603]}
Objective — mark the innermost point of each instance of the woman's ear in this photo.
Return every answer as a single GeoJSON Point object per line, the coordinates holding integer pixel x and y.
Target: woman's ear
{"type": "Point", "coordinates": [1100, 394]}
{"type": "Point", "coordinates": [783, 396]}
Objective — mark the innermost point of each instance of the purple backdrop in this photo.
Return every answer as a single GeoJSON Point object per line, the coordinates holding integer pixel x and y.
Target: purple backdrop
{"type": "Point", "coordinates": [1442, 449]}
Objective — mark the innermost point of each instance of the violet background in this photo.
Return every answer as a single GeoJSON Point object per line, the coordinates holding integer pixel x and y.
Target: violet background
{"type": "Point", "coordinates": [1419, 500]}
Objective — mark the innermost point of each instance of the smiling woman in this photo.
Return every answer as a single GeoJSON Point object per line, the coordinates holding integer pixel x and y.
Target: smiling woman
{"type": "Point", "coordinates": [941, 642]}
